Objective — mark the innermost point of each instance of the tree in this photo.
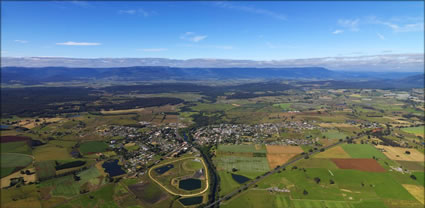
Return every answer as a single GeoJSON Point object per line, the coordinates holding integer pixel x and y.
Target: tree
{"type": "Point", "coordinates": [407, 152]}
{"type": "Point", "coordinates": [331, 181]}
{"type": "Point", "coordinates": [317, 179]}
{"type": "Point", "coordinates": [413, 177]}
{"type": "Point", "coordinates": [305, 192]}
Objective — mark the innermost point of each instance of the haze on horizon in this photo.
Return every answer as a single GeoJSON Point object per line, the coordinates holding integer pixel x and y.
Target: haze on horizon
{"type": "Point", "coordinates": [359, 36]}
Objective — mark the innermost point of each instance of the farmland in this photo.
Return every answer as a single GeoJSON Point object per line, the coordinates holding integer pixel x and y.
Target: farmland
{"type": "Point", "coordinates": [213, 144]}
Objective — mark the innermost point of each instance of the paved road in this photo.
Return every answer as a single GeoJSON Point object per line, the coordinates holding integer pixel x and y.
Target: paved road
{"type": "Point", "coordinates": [252, 182]}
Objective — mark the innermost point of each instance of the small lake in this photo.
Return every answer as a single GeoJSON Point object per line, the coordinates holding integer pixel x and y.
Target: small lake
{"type": "Point", "coordinates": [112, 168]}
{"type": "Point", "coordinates": [4, 127]}
{"type": "Point", "coordinates": [191, 200]}
{"type": "Point", "coordinates": [185, 136]}
{"type": "Point", "coordinates": [240, 178]}
{"type": "Point", "coordinates": [164, 169]}
{"type": "Point", "coordinates": [190, 184]}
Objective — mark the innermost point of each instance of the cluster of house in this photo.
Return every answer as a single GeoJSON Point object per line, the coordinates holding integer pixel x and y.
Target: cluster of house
{"type": "Point", "coordinates": [258, 134]}
{"type": "Point", "coordinates": [138, 146]}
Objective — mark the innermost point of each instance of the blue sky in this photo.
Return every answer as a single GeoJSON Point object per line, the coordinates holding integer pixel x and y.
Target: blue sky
{"type": "Point", "coordinates": [230, 30]}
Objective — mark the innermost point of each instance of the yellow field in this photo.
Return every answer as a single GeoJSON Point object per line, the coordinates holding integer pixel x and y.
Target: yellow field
{"type": "Point", "coordinates": [27, 202]}
{"type": "Point", "coordinates": [30, 123]}
{"type": "Point", "coordinates": [398, 153]}
{"type": "Point", "coordinates": [122, 111]}
{"type": "Point", "coordinates": [279, 154]}
{"type": "Point", "coordinates": [50, 152]}
{"type": "Point", "coordinates": [28, 178]}
{"type": "Point", "coordinates": [416, 191]}
{"type": "Point", "coordinates": [280, 149]}
{"type": "Point", "coordinates": [279, 159]}
{"type": "Point", "coordinates": [334, 152]}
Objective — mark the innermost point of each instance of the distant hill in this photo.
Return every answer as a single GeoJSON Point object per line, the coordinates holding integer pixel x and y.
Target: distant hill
{"type": "Point", "coordinates": [25, 75]}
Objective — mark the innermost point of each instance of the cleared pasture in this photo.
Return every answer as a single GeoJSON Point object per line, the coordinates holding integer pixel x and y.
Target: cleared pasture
{"type": "Point", "coordinates": [399, 153]}
{"type": "Point", "coordinates": [93, 147]}
{"type": "Point", "coordinates": [418, 131]}
{"type": "Point", "coordinates": [249, 166]}
{"type": "Point", "coordinates": [362, 151]}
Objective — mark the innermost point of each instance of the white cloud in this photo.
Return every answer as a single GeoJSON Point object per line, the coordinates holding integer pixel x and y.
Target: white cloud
{"type": "Point", "coordinates": [190, 36]}
{"type": "Point", "coordinates": [223, 47]}
{"type": "Point", "coordinates": [21, 41]}
{"type": "Point", "coordinates": [407, 24]}
{"type": "Point", "coordinates": [140, 12]}
{"type": "Point", "coordinates": [71, 43]}
{"type": "Point", "coordinates": [153, 49]}
{"type": "Point", "coordinates": [380, 36]}
{"type": "Point", "coordinates": [336, 32]}
{"type": "Point", "coordinates": [84, 4]}
{"type": "Point", "coordinates": [351, 24]}
{"type": "Point", "coordinates": [249, 9]}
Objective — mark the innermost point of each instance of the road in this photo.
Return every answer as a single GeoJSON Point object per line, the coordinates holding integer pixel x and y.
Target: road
{"type": "Point", "coordinates": [256, 180]}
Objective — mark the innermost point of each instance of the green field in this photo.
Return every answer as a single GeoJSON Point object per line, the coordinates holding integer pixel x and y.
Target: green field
{"type": "Point", "coordinates": [376, 185]}
{"type": "Point", "coordinates": [227, 184]}
{"type": "Point", "coordinates": [16, 147]}
{"type": "Point", "coordinates": [93, 147]}
{"type": "Point", "coordinates": [68, 187]}
{"type": "Point", "coordinates": [284, 106]}
{"type": "Point", "coordinates": [316, 163]}
{"type": "Point", "coordinates": [13, 161]}
{"type": "Point", "coordinates": [248, 166]}
{"type": "Point", "coordinates": [419, 130]}
{"type": "Point", "coordinates": [192, 165]}
{"type": "Point", "coordinates": [362, 151]}
{"type": "Point", "coordinates": [242, 148]}
{"type": "Point", "coordinates": [333, 134]}
{"type": "Point", "coordinates": [420, 177]}
{"type": "Point", "coordinates": [99, 198]}
{"type": "Point", "coordinates": [45, 169]}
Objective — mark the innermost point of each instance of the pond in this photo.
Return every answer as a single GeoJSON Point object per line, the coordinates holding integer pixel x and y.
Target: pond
{"type": "Point", "coordinates": [112, 168]}
{"type": "Point", "coordinates": [191, 200]}
{"type": "Point", "coordinates": [184, 136]}
{"type": "Point", "coordinates": [4, 127]}
{"type": "Point", "coordinates": [190, 184]}
{"type": "Point", "coordinates": [240, 178]}
{"type": "Point", "coordinates": [163, 169]}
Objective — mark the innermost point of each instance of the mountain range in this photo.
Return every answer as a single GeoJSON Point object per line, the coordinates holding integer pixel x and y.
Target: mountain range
{"type": "Point", "coordinates": [32, 75]}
